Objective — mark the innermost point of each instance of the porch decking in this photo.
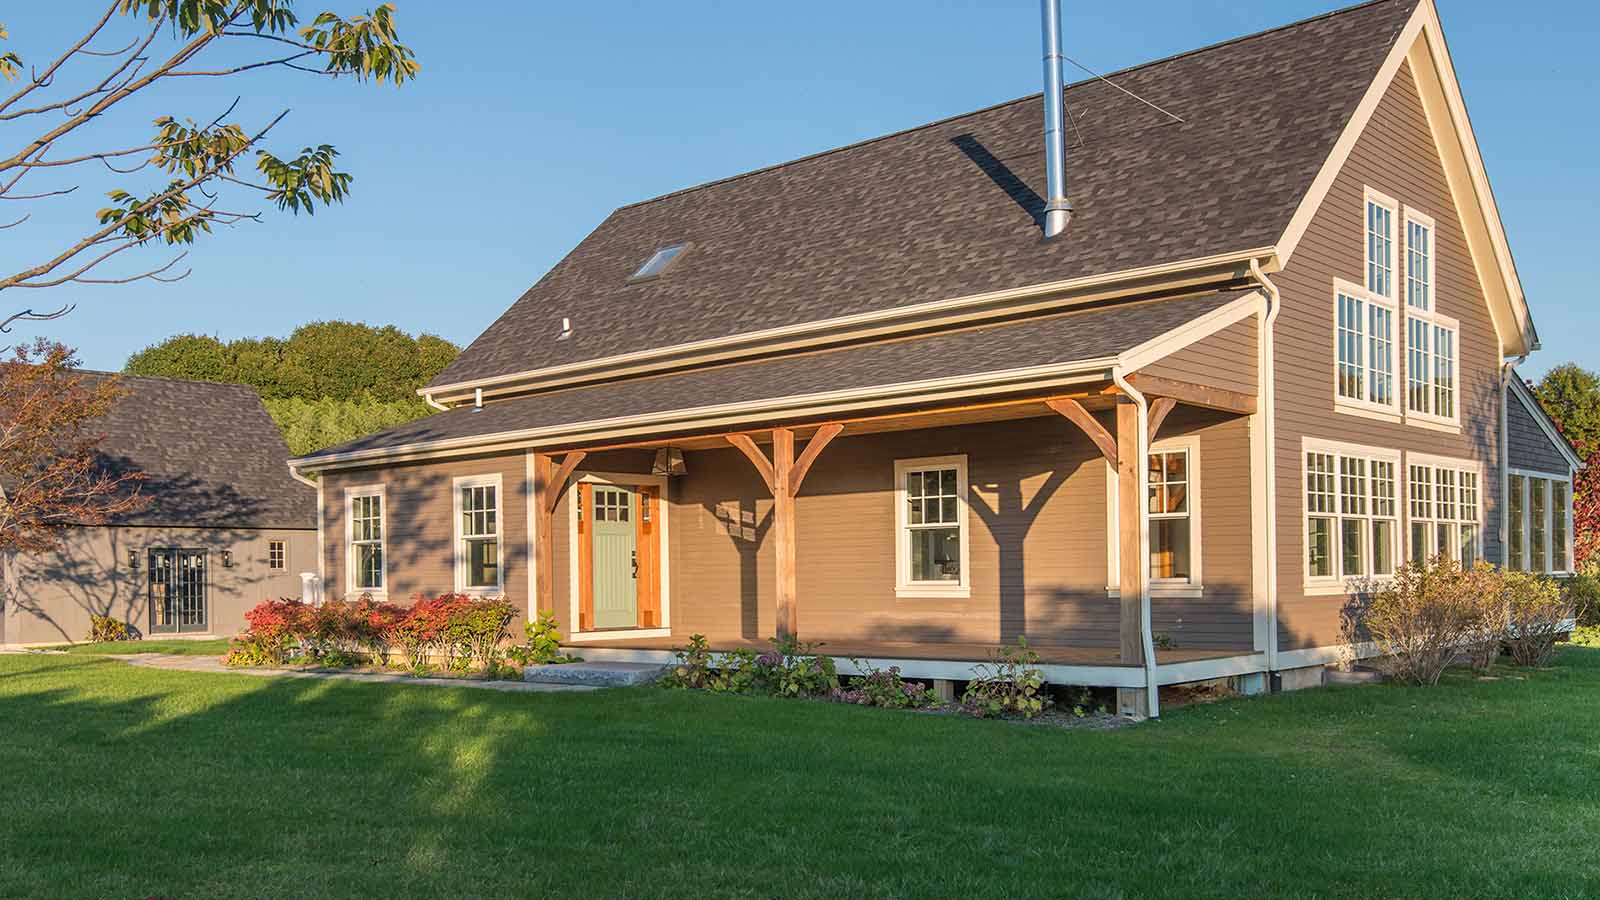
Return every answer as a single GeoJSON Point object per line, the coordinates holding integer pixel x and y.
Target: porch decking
{"type": "Point", "coordinates": [934, 652]}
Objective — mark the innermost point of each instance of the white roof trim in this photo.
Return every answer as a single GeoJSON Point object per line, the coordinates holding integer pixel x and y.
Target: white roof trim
{"type": "Point", "coordinates": [1422, 43]}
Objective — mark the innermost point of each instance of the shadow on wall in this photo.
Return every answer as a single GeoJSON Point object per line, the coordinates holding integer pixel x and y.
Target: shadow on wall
{"type": "Point", "coordinates": [747, 529]}
{"type": "Point", "coordinates": [89, 575]}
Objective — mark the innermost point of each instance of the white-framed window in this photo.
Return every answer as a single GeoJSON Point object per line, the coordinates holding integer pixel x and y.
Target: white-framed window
{"type": "Point", "coordinates": [932, 553]}
{"type": "Point", "coordinates": [479, 551]}
{"type": "Point", "coordinates": [365, 533]}
{"type": "Point", "coordinates": [1445, 507]}
{"type": "Point", "coordinates": [1379, 256]}
{"type": "Point", "coordinates": [277, 555]}
{"type": "Point", "coordinates": [1365, 348]}
{"type": "Point", "coordinates": [1539, 520]}
{"type": "Point", "coordinates": [1433, 351]}
{"type": "Point", "coordinates": [1351, 513]}
{"type": "Point", "coordinates": [1173, 486]}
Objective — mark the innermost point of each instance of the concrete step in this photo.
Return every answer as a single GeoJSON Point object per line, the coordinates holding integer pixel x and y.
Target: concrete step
{"type": "Point", "coordinates": [595, 674]}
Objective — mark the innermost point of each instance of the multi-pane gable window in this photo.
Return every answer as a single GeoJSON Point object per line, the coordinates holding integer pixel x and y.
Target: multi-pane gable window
{"type": "Point", "coordinates": [1432, 352]}
{"type": "Point", "coordinates": [1364, 346]}
{"type": "Point", "coordinates": [365, 509]}
{"type": "Point", "coordinates": [931, 551]}
{"type": "Point", "coordinates": [478, 533]}
{"type": "Point", "coordinates": [1419, 264]}
{"type": "Point", "coordinates": [1350, 514]}
{"type": "Point", "coordinates": [1170, 557]}
{"type": "Point", "coordinates": [1445, 512]}
{"type": "Point", "coordinates": [277, 555]}
{"type": "Point", "coordinates": [1380, 244]}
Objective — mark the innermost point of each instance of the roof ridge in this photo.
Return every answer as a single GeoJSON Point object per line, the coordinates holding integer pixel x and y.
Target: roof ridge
{"type": "Point", "coordinates": [125, 375]}
{"type": "Point", "coordinates": [994, 106]}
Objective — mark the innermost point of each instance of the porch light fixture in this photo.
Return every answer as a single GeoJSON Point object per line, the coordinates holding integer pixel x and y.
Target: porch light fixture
{"type": "Point", "coordinates": [669, 461]}
{"type": "Point", "coordinates": [133, 560]}
{"type": "Point", "coordinates": [227, 559]}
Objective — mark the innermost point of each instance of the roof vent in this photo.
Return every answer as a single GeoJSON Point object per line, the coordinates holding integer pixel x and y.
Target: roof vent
{"type": "Point", "coordinates": [565, 334]}
{"type": "Point", "coordinates": [1057, 208]}
{"type": "Point", "coordinates": [658, 262]}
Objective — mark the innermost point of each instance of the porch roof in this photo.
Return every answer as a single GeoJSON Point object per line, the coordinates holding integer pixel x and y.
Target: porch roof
{"type": "Point", "coordinates": [996, 360]}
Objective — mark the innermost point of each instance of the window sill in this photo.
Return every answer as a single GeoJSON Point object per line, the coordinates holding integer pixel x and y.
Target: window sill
{"type": "Point", "coordinates": [1378, 413]}
{"type": "Point", "coordinates": [1340, 588]}
{"type": "Point", "coordinates": [379, 594]}
{"type": "Point", "coordinates": [931, 592]}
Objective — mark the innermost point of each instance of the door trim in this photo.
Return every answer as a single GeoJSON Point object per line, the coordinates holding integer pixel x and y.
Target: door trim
{"type": "Point", "coordinates": [664, 507]}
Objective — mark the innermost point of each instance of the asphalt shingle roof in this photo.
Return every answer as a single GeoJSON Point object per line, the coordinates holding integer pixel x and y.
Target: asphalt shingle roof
{"type": "Point", "coordinates": [210, 454]}
{"type": "Point", "coordinates": [950, 209]}
{"type": "Point", "coordinates": [1083, 335]}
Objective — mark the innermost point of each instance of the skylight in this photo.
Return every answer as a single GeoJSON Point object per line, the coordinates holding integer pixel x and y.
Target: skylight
{"type": "Point", "coordinates": [658, 262]}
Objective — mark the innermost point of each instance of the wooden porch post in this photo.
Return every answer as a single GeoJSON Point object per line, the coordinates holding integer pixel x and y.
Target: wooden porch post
{"type": "Point", "coordinates": [1129, 557]}
{"type": "Point", "coordinates": [784, 475]}
{"type": "Point", "coordinates": [548, 484]}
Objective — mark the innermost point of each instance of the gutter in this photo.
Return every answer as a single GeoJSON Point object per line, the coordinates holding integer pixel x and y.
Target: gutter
{"type": "Point", "coordinates": [1269, 428]}
{"type": "Point", "coordinates": [1151, 686]}
{"type": "Point", "coordinates": [920, 317]}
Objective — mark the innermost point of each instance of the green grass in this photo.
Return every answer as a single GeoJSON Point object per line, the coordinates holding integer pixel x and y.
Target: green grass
{"type": "Point", "coordinates": [157, 645]}
{"type": "Point", "coordinates": [129, 782]}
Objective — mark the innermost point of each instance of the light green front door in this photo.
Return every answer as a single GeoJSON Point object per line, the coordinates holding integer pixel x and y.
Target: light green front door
{"type": "Point", "coordinates": [616, 585]}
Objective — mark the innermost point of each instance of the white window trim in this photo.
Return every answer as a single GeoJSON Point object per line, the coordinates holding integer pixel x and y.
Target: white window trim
{"type": "Point", "coordinates": [285, 543]}
{"type": "Point", "coordinates": [1426, 221]}
{"type": "Point", "coordinates": [663, 509]}
{"type": "Point", "coordinates": [1396, 257]}
{"type": "Point", "coordinates": [904, 587]}
{"type": "Point", "coordinates": [1191, 586]}
{"type": "Point", "coordinates": [350, 493]}
{"type": "Point", "coordinates": [1363, 406]}
{"type": "Point", "coordinates": [1549, 513]}
{"type": "Point", "coordinates": [1434, 320]}
{"type": "Point", "coordinates": [1336, 584]}
{"type": "Point", "coordinates": [459, 563]}
{"type": "Point", "coordinates": [1458, 465]}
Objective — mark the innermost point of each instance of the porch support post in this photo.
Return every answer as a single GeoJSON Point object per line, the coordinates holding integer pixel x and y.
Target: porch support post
{"type": "Point", "coordinates": [549, 483]}
{"type": "Point", "coordinates": [1129, 555]}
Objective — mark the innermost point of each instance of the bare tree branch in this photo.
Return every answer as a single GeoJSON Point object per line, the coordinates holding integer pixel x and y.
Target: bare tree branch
{"type": "Point", "coordinates": [37, 81]}
{"type": "Point", "coordinates": [28, 315]}
{"type": "Point", "coordinates": [25, 217]}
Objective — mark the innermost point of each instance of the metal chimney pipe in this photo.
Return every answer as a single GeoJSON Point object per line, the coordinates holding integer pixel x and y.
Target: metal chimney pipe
{"type": "Point", "coordinates": [1057, 208]}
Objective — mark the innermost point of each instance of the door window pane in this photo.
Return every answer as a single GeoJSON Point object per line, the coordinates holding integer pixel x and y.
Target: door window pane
{"type": "Point", "coordinates": [1319, 544]}
{"type": "Point", "coordinates": [1351, 548]}
{"type": "Point", "coordinates": [1382, 547]}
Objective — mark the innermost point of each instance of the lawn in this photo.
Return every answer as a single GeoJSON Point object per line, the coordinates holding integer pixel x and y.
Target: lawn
{"type": "Point", "coordinates": [154, 645]}
{"type": "Point", "coordinates": [131, 782]}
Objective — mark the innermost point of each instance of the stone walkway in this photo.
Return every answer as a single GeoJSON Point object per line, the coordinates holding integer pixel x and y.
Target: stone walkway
{"type": "Point", "coordinates": [176, 663]}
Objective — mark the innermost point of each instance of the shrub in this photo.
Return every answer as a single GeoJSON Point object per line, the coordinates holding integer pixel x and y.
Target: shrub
{"type": "Point", "coordinates": [543, 646]}
{"type": "Point", "coordinates": [381, 619]}
{"type": "Point", "coordinates": [106, 628]}
{"type": "Point", "coordinates": [1586, 636]}
{"type": "Point", "coordinates": [477, 628]}
{"type": "Point", "coordinates": [1008, 685]}
{"type": "Point", "coordinates": [1584, 591]}
{"type": "Point", "coordinates": [255, 651]}
{"type": "Point", "coordinates": [1421, 620]}
{"type": "Point", "coordinates": [885, 688]}
{"type": "Point", "coordinates": [797, 670]}
{"type": "Point", "coordinates": [692, 668]}
{"type": "Point", "coordinates": [1482, 586]}
{"type": "Point", "coordinates": [1537, 612]}
{"type": "Point", "coordinates": [275, 629]}
{"type": "Point", "coordinates": [421, 630]}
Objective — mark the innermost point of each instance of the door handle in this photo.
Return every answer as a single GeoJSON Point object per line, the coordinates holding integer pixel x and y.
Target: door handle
{"type": "Point", "coordinates": [635, 555]}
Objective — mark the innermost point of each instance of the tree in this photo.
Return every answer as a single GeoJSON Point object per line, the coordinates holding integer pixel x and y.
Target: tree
{"type": "Point", "coordinates": [50, 474]}
{"type": "Point", "coordinates": [1571, 395]}
{"type": "Point", "coordinates": [193, 165]}
{"type": "Point", "coordinates": [1586, 514]}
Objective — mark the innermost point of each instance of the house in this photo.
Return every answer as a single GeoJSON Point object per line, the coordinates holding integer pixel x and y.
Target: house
{"type": "Point", "coordinates": [224, 526]}
{"type": "Point", "coordinates": [867, 399]}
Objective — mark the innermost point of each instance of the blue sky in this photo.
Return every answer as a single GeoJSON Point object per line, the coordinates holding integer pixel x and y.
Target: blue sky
{"type": "Point", "coordinates": [531, 121]}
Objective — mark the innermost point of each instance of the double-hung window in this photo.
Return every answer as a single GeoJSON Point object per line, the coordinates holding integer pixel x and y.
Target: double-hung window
{"type": "Point", "coordinates": [1351, 503]}
{"type": "Point", "coordinates": [277, 556]}
{"type": "Point", "coordinates": [1539, 516]}
{"type": "Point", "coordinates": [1173, 482]}
{"type": "Point", "coordinates": [931, 543]}
{"type": "Point", "coordinates": [365, 508]}
{"type": "Point", "coordinates": [1433, 352]}
{"type": "Point", "coordinates": [1446, 511]}
{"type": "Point", "coordinates": [478, 545]}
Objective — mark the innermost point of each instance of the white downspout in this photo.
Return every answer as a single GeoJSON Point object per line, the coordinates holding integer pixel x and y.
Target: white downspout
{"type": "Point", "coordinates": [1269, 427]}
{"type": "Point", "coordinates": [1152, 689]}
{"type": "Point", "coordinates": [428, 399]}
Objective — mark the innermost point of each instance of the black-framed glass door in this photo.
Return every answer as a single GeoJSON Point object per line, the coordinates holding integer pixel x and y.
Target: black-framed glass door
{"type": "Point", "coordinates": [177, 591]}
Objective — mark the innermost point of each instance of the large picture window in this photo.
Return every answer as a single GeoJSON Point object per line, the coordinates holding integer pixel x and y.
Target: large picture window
{"type": "Point", "coordinates": [1446, 511]}
{"type": "Point", "coordinates": [1351, 506]}
{"type": "Point", "coordinates": [364, 555]}
{"type": "Point", "coordinates": [931, 546]}
{"type": "Point", "coordinates": [1539, 522]}
{"type": "Point", "coordinates": [478, 546]}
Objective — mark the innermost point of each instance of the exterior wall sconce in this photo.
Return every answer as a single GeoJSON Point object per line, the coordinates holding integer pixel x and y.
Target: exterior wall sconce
{"type": "Point", "coordinates": [669, 461]}
{"type": "Point", "coordinates": [133, 560]}
{"type": "Point", "coordinates": [227, 559]}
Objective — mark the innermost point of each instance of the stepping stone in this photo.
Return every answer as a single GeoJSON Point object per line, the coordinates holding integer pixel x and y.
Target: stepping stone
{"type": "Point", "coordinates": [595, 674]}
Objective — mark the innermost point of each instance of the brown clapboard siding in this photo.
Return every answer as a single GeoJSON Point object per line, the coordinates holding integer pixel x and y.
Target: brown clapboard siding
{"type": "Point", "coordinates": [1528, 447]}
{"type": "Point", "coordinates": [1396, 155]}
{"type": "Point", "coordinates": [419, 518]}
{"type": "Point", "coordinates": [1225, 360]}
